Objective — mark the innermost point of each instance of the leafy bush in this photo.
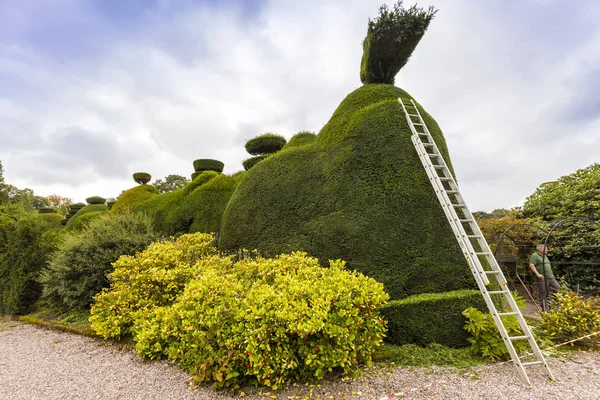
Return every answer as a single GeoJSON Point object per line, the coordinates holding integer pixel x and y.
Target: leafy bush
{"type": "Point", "coordinates": [266, 143]}
{"type": "Point", "coordinates": [206, 164]}
{"type": "Point", "coordinates": [142, 177]}
{"type": "Point", "coordinates": [431, 318]}
{"type": "Point", "coordinates": [78, 269]}
{"type": "Point", "coordinates": [252, 161]}
{"type": "Point", "coordinates": [570, 317]}
{"type": "Point", "coordinates": [47, 210]}
{"type": "Point", "coordinates": [26, 241]}
{"type": "Point", "coordinates": [96, 200]}
{"type": "Point", "coordinates": [133, 196]}
{"type": "Point", "coordinates": [266, 320]}
{"type": "Point", "coordinates": [150, 279]}
{"type": "Point", "coordinates": [485, 338]}
{"type": "Point", "coordinates": [391, 39]}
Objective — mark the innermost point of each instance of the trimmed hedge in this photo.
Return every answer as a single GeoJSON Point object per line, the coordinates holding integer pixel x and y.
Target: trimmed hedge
{"type": "Point", "coordinates": [265, 144]}
{"type": "Point", "coordinates": [46, 210]}
{"type": "Point", "coordinates": [133, 196]}
{"type": "Point", "coordinates": [431, 318]}
{"type": "Point", "coordinates": [207, 164]}
{"type": "Point", "coordinates": [301, 138]}
{"type": "Point", "coordinates": [76, 207]}
{"type": "Point", "coordinates": [110, 204]}
{"type": "Point", "coordinates": [90, 208]}
{"type": "Point", "coordinates": [142, 177]}
{"type": "Point", "coordinates": [83, 221]}
{"type": "Point", "coordinates": [252, 161]}
{"type": "Point", "coordinates": [357, 193]}
{"type": "Point", "coordinates": [96, 200]}
{"type": "Point", "coordinates": [196, 174]}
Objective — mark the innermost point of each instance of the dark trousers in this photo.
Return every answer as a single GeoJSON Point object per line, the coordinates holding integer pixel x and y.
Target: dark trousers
{"type": "Point", "coordinates": [545, 292]}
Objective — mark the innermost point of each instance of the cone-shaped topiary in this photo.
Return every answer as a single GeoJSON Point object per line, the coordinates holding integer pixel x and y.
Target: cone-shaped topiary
{"type": "Point", "coordinates": [142, 177]}
{"type": "Point", "coordinates": [96, 200]}
{"type": "Point", "coordinates": [265, 144]}
{"type": "Point", "coordinates": [252, 161]}
{"type": "Point", "coordinates": [391, 39]}
{"type": "Point", "coordinates": [46, 210]}
{"type": "Point", "coordinates": [207, 164]}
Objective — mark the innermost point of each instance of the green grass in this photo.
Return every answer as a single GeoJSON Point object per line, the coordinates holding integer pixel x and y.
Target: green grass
{"type": "Point", "coordinates": [433, 354]}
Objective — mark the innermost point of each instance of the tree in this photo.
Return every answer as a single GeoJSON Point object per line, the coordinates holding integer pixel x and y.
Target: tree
{"type": "Point", "coordinates": [142, 177]}
{"type": "Point", "coordinates": [59, 203]}
{"type": "Point", "coordinates": [3, 187]}
{"type": "Point", "coordinates": [170, 183]}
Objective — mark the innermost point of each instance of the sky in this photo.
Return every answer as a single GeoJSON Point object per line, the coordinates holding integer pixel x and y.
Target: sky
{"type": "Point", "coordinates": [92, 91]}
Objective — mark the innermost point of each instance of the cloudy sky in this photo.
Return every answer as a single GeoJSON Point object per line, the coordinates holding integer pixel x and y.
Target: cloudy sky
{"type": "Point", "coordinates": [94, 90]}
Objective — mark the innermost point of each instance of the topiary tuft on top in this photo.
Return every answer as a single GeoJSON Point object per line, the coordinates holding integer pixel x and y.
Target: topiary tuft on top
{"type": "Point", "coordinates": [207, 164]}
{"type": "Point", "coordinates": [265, 144]}
{"type": "Point", "coordinates": [76, 206]}
{"type": "Point", "coordinates": [95, 200]}
{"type": "Point", "coordinates": [46, 210]}
{"type": "Point", "coordinates": [142, 177]}
{"type": "Point", "coordinates": [391, 39]}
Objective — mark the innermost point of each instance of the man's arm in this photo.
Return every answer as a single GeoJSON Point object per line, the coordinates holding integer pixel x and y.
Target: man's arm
{"type": "Point", "coordinates": [534, 269]}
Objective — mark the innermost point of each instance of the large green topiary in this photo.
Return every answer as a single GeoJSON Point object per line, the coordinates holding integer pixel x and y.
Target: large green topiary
{"type": "Point", "coordinates": [266, 143]}
{"type": "Point", "coordinates": [359, 193]}
{"type": "Point", "coordinates": [142, 177]}
{"type": "Point", "coordinates": [96, 200]}
{"type": "Point", "coordinates": [252, 161]}
{"type": "Point", "coordinates": [207, 164]}
{"type": "Point", "coordinates": [301, 138]}
{"type": "Point", "coordinates": [90, 208]}
{"type": "Point", "coordinates": [391, 39]}
{"type": "Point", "coordinates": [130, 197]}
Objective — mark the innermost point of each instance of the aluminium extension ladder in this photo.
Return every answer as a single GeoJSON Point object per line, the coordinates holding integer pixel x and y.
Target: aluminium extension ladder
{"type": "Point", "coordinates": [470, 238]}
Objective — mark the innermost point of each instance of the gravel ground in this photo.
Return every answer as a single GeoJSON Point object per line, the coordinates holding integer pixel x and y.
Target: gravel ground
{"type": "Point", "coordinates": [36, 363]}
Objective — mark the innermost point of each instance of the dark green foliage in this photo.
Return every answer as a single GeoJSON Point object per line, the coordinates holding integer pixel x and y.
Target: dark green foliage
{"type": "Point", "coordinates": [131, 197]}
{"type": "Point", "coordinates": [431, 318]}
{"type": "Point", "coordinates": [198, 207]}
{"type": "Point", "coordinates": [90, 208]}
{"type": "Point", "coordinates": [301, 138]}
{"type": "Point", "coordinates": [170, 183]}
{"type": "Point", "coordinates": [252, 161]}
{"type": "Point", "coordinates": [78, 269]}
{"type": "Point", "coordinates": [110, 204]}
{"type": "Point", "coordinates": [46, 210]}
{"type": "Point", "coordinates": [195, 174]}
{"type": "Point", "coordinates": [76, 207]}
{"type": "Point", "coordinates": [142, 177]}
{"type": "Point", "coordinates": [207, 164]}
{"type": "Point", "coordinates": [26, 241]}
{"type": "Point", "coordinates": [358, 193]}
{"type": "Point", "coordinates": [391, 39]}
{"type": "Point", "coordinates": [265, 144]}
{"type": "Point", "coordinates": [64, 221]}
{"type": "Point", "coordinates": [96, 200]}
{"type": "Point", "coordinates": [574, 195]}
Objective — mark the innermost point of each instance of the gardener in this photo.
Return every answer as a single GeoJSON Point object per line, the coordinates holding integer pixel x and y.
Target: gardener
{"type": "Point", "coordinates": [540, 265]}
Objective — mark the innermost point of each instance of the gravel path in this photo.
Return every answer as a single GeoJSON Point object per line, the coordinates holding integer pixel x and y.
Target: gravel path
{"type": "Point", "coordinates": [36, 363]}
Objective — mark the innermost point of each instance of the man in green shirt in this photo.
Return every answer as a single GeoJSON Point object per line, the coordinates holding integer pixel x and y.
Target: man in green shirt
{"type": "Point", "coordinates": [540, 265]}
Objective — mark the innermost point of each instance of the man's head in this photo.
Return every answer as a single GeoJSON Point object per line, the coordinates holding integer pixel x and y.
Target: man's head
{"type": "Point", "coordinates": [542, 249]}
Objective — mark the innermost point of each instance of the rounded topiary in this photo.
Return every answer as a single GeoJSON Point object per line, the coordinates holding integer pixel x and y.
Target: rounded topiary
{"type": "Point", "coordinates": [301, 138]}
{"type": "Point", "coordinates": [391, 39]}
{"type": "Point", "coordinates": [64, 221]}
{"type": "Point", "coordinates": [46, 210]}
{"type": "Point", "coordinates": [265, 144]}
{"type": "Point", "coordinates": [110, 203]}
{"type": "Point", "coordinates": [142, 177]}
{"type": "Point", "coordinates": [96, 200]}
{"type": "Point", "coordinates": [207, 164]}
{"type": "Point", "coordinates": [252, 161]}
{"type": "Point", "coordinates": [77, 206]}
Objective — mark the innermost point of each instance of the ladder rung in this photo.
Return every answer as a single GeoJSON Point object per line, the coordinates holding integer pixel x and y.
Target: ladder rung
{"type": "Point", "coordinates": [483, 253]}
{"type": "Point", "coordinates": [525, 364]}
{"type": "Point", "coordinates": [518, 337]}
{"type": "Point", "coordinates": [458, 205]}
{"type": "Point", "coordinates": [473, 236]}
{"type": "Point", "coordinates": [452, 191]}
{"type": "Point", "coordinates": [417, 123]}
{"type": "Point", "coordinates": [497, 292]}
{"type": "Point", "coordinates": [466, 220]}
{"type": "Point", "coordinates": [412, 115]}
{"type": "Point", "coordinates": [439, 167]}
{"type": "Point", "coordinates": [444, 179]}
{"type": "Point", "coordinates": [491, 272]}
{"type": "Point", "coordinates": [504, 314]}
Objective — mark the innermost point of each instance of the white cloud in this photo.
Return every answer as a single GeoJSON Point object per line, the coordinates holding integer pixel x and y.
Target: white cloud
{"type": "Point", "coordinates": [200, 83]}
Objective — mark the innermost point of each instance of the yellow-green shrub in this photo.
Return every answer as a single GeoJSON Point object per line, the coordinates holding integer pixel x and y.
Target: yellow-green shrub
{"type": "Point", "coordinates": [150, 279]}
{"type": "Point", "coordinates": [570, 317]}
{"type": "Point", "coordinates": [263, 321]}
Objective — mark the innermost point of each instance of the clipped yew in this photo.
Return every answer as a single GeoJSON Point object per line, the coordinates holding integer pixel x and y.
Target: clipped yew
{"type": "Point", "coordinates": [46, 210]}
{"type": "Point", "coordinates": [266, 143]}
{"type": "Point", "coordinates": [142, 177]}
{"type": "Point", "coordinates": [207, 164]}
{"type": "Point", "coordinates": [96, 200]}
{"type": "Point", "coordinates": [252, 161]}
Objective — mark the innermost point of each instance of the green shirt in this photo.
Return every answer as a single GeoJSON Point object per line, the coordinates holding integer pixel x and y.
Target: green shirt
{"type": "Point", "coordinates": [546, 269]}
